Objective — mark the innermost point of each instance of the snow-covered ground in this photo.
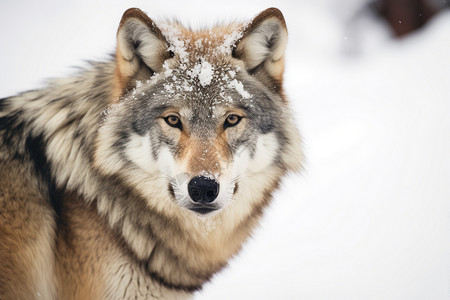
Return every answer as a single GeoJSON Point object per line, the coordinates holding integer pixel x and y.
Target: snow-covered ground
{"type": "Point", "coordinates": [369, 218]}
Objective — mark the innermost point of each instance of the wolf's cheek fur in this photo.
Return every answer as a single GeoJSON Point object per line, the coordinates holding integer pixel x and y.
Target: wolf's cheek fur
{"type": "Point", "coordinates": [165, 162]}
{"type": "Point", "coordinates": [260, 159]}
{"type": "Point", "coordinates": [138, 150]}
{"type": "Point", "coordinates": [267, 147]}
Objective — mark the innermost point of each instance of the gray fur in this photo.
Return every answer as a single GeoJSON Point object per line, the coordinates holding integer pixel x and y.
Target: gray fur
{"type": "Point", "coordinates": [81, 143]}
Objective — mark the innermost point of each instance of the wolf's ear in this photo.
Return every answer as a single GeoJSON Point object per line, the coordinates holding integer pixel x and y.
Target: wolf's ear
{"type": "Point", "coordinates": [141, 48]}
{"type": "Point", "coordinates": [262, 46]}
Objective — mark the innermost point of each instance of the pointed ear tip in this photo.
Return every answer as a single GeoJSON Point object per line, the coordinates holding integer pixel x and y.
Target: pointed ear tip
{"type": "Point", "coordinates": [270, 13]}
{"type": "Point", "coordinates": [134, 12]}
{"type": "Point", "coordinates": [273, 11]}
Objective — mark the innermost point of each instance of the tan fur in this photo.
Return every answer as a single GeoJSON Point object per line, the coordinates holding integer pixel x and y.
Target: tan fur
{"type": "Point", "coordinates": [26, 230]}
{"type": "Point", "coordinates": [84, 218]}
{"type": "Point", "coordinates": [203, 156]}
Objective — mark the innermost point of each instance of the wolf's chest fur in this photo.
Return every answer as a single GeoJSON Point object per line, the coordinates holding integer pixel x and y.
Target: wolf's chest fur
{"type": "Point", "coordinates": [143, 175]}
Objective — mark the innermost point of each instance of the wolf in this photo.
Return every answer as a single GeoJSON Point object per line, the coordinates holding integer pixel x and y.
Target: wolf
{"type": "Point", "coordinates": [140, 176]}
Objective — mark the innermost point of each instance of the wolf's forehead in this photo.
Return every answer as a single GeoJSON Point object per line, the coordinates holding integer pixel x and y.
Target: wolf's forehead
{"type": "Point", "coordinates": [216, 42]}
{"type": "Point", "coordinates": [206, 82]}
{"type": "Point", "coordinates": [202, 71]}
{"type": "Point", "coordinates": [202, 55]}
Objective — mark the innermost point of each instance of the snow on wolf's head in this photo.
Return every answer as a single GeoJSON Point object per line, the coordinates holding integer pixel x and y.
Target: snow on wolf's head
{"type": "Point", "coordinates": [199, 120]}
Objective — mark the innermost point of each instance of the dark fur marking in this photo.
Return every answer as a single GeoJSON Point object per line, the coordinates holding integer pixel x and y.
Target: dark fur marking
{"type": "Point", "coordinates": [265, 123]}
{"type": "Point", "coordinates": [101, 94]}
{"type": "Point", "coordinates": [271, 83]}
{"type": "Point", "coordinates": [35, 148]}
{"type": "Point", "coordinates": [156, 145]}
{"type": "Point", "coordinates": [136, 44]}
{"type": "Point", "coordinates": [143, 67]}
{"type": "Point", "coordinates": [145, 118]}
{"type": "Point", "coordinates": [3, 103]}
{"type": "Point", "coordinates": [187, 288]}
{"type": "Point", "coordinates": [56, 100]}
{"type": "Point", "coordinates": [266, 127]}
{"type": "Point", "coordinates": [274, 38]}
{"type": "Point", "coordinates": [239, 142]}
{"type": "Point", "coordinates": [171, 191]}
{"type": "Point", "coordinates": [138, 128]}
{"type": "Point", "coordinates": [13, 128]}
{"type": "Point", "coordinates": [77, 133]}
{"type": "Point", "coordinates": [122, 141]}
{"type": "Point", "coordinates": [236, 188]}
{"type": "Point", "coordinates": [129, 283]}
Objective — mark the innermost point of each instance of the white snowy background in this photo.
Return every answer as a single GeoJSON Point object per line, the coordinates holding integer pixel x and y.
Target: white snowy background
{"type": "Point", "coordinates": [369, 218]}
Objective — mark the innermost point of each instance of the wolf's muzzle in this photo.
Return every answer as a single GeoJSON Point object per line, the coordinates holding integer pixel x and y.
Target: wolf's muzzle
{"type": "Point", "coordinates": [203, 190]}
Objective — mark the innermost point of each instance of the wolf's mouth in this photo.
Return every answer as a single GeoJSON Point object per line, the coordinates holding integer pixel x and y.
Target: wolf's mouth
{"type": "Point", "coordinates": [203, 210]}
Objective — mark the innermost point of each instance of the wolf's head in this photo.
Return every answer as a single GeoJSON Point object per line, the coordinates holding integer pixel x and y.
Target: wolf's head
{"type": "Point", "coordinates": [199, 124]}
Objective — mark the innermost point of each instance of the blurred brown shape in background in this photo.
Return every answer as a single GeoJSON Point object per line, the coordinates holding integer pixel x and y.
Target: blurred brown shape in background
{"type": "Point", "coordinates": [405, 16]}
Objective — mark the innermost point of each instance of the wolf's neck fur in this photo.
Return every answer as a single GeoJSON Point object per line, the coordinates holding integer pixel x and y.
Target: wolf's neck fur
{"type": "Point", "coordinates": [64, 121]}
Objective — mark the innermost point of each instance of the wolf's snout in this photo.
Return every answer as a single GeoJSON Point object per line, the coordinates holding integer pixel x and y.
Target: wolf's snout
{"type": "Point", "coordinates": [203, 189]}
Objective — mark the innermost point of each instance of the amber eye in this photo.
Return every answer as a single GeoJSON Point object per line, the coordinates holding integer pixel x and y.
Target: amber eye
{"type": "Point", "coordinates": [173, 121]}
{"type": "Point", "coordinates": [232, 120]}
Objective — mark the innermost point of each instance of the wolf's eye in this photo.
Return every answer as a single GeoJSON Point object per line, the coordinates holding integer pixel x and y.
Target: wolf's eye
{"type": "Point", "coordinates": [173, 121]}
{"type": "Point", "coordinates": [232, 120]}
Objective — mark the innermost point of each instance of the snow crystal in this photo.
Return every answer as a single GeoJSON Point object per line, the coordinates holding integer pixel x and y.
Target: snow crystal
{"type": "Point", "coordinates": [203, 70]}
{"type": "Point", "coordinates": [206, 173]}
{"type": "Point", "coordinates": [209, 223]}
{"type": "Point", "coordinates": [109, 113]}
{"type": "Point", "coordinates": [230, 41]}
{"type": "Point", "coordinates": [168, 72]}
{"type": "Point", "coordinates": [187, 87]}
{"type": "Point", "coordinates": [177, 44]}
{"type": "Point", "coordinates": [169, 88]}
{"type": "Point", "coordinates": [194, 71]}
{"type": "Point", "coordinates": [199, 43]}
{"type": "Point", "coordinates": [239, 87]}
{"type": "Point", "coordinates": [206, 73]}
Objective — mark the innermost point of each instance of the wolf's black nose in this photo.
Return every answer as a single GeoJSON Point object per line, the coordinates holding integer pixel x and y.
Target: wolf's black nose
{"type": "Point", "coordinates": [203, 189]}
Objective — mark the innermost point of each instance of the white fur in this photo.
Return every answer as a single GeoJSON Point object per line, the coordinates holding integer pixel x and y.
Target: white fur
{"type": "Point", "coordinates": [292, 155]}
{"type": "Point", "coordinates": [165, 161]}
{"type": "Point", "coordinates": [138, 150]}
{"type": "Point", "coordinates": [266, 149]}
